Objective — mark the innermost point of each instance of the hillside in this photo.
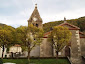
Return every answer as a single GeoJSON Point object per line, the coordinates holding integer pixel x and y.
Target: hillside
{"type": "Point", "coordinates": [80, 22]}
{"type": "Point", "coordinates": [2, 24]}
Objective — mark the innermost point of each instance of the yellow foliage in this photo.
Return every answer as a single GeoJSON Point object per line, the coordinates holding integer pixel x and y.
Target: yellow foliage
{"type": "Point", "coordinates": [60, 37]}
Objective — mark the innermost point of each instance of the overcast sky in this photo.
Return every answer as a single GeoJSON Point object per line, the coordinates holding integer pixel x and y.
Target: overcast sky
{"type": "Point", "coordinates": [17, 12]}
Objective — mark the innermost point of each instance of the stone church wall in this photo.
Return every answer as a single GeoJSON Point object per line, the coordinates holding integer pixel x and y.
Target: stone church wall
{"type": "Point", "coordinates": [82, 40]}
{"type": "Point", "coordinates": [60, 53]}
{"type": "Point", "coordinates": [75, 47]}
{"type": "Point", "coordinates": [35, 52]}
{"type": "Point", "coordinates": [46, 48]}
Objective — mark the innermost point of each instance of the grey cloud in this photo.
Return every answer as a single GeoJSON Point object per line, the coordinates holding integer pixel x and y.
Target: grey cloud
{"type": "Point", "coordinates": [19, 11]}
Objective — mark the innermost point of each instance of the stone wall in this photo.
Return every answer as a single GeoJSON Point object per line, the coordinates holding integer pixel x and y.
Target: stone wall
{"type": "Point", "coordinates": [15, 49]}
{"type": "Point", "coordinates": [46, 49]}
{"type": "Point", "coordinates": [82, 42]}
{"type": "Point", "coordinates": [75, 48]}
{"type": "Point", "coordinates": [35, 52]}
{"type": "Point", "coordinates": [60, 53]}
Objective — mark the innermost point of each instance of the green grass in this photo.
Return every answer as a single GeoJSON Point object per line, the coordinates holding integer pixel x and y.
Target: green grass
{"type": "Point", "coordinates": [37, 61]}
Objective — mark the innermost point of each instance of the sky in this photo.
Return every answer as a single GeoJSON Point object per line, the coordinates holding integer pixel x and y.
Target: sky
{"type": "Point", "coordinates": [17, 12]}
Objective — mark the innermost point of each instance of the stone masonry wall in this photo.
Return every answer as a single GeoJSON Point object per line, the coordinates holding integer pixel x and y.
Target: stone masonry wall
{"type": "Point", "coordinates": [75, 48]}
{"type": "Point", "coordinates": [35, 52]}
{"type": "Point", "coordinates": [46, 48]}
{"type": "Point", "coordinates": [82, 42]}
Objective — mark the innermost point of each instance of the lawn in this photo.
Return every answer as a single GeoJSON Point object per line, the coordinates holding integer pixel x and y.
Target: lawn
{"type": "Point", "coordinates": [37, 61]}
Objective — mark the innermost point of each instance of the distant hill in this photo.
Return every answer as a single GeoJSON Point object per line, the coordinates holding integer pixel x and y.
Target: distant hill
{"type": "Point", "coordinates": [2, 24]}
{"type": "Point", "coordinates": [6, 27]}
{"type": "Point", "coordinates": [80, 22]}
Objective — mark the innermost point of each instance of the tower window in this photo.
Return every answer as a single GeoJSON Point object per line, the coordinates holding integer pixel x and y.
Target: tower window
{"type": "Point", "coordinates": [36, 25]}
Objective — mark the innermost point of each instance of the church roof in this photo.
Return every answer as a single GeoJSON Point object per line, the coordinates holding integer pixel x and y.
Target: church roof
{"type": "Point", "coordinates": [46, 34]}
{"type": "Point", "coordinates": [71, 27]}
{"type": "Point", "coordinates": [35, 14]}
{"type": "Point", "coordinates": [82, 35]}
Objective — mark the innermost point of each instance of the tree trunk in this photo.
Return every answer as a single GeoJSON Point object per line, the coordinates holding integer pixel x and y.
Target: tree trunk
{"type": "Point", "coordinates": [2, 51]}
{"type": "Point", "coordinates": [2, 54]}
{"type": "Point", "coordinates": [56, 54]}
{"type": "Point", "coordinates": [28, 56]}
{"type": "Point", "coordinates": [28, 52]}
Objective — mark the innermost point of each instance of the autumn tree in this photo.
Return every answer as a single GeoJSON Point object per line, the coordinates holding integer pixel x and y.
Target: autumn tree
{"type": "Point", "coordinates": [6, 37]}
{"type": "Point", "coordinates": [20, 37]}
{"type": "Point", "coordinates": [59, 37]}
{"type": "Point", "coordinates": [34, 38]}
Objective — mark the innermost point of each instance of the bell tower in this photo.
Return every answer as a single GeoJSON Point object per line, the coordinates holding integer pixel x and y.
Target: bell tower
{"type": "Point", "coordinates": [35, 18]}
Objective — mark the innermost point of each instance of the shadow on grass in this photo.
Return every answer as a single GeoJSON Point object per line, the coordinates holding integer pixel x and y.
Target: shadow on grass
{"type": "Point", "coordinates": [1, 62]}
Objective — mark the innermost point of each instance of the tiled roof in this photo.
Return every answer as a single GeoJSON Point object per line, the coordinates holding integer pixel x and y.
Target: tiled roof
{"type": "Point", "coordinates": [46, 34]}
{"type": "Point", "coordinates": [73, 27]}
{"type": "Point", "coordinates": [82, 34]}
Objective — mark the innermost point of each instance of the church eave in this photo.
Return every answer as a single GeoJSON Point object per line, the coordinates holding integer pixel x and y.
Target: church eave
{"type": "Point", "coordinates": [81, 33]}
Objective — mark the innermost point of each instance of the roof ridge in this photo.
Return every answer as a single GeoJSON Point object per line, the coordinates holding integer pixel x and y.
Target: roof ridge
{"type": "Point", "coordinates": [69, 25]}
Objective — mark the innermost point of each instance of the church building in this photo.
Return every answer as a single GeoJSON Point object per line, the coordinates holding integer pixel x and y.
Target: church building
{"type": "Point", "coordinates": [74, 50]}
